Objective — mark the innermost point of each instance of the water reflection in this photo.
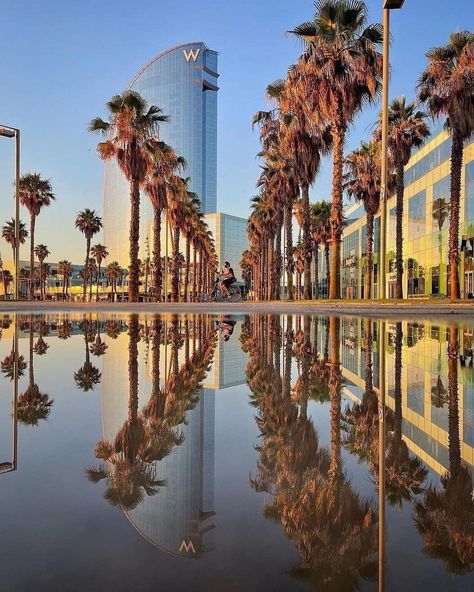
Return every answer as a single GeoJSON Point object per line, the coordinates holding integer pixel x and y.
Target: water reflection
{"type": "Point", "coordinates": [357, 421]}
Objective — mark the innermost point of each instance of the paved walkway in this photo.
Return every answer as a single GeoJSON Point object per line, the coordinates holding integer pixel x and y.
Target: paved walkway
{"type": "Point", "coordinates": [389, 309]}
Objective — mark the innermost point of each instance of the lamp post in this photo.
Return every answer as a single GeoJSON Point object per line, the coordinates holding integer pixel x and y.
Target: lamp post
{"type": "Point", "coordinates": [388, 5]}
{"type": "Point", "coordinates": [12, 132]}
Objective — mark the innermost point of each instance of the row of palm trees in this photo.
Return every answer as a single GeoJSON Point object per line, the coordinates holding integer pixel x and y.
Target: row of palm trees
{"type": "Point", "coordinates": [333, 528]}
{"type": "Point", "coordinates": [338, 74]}
{"type": "Point", "coordinates": [152, 166]}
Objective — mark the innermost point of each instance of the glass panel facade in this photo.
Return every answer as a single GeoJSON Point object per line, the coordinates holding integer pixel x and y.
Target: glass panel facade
{"type": "Point", "coordinates": [183, 83]}
{"type": "Point", "coordinates": [350, 258]}
{"type": "Point", "coordinates": [428, 162]}
{"type": "Point", "coordinates": [417, 215]}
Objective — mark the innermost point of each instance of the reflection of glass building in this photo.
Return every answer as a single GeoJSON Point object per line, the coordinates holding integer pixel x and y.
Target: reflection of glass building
{"type": "Point", "coordinates": [424, 385]}
{"type": "Point", "coordinates": [182, 81]}
{"type": "Point", "coordinates": [426, 226]}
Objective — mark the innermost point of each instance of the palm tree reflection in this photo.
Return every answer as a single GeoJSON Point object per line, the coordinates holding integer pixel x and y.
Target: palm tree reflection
{"type": "Point", "coordinates": [88, 376]}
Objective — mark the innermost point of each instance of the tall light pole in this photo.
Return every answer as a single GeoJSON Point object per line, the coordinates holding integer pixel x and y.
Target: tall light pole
{"type": "Point", "coordinates": [388, 5]}
{"type": "Point", "coordinates": [13, 132]}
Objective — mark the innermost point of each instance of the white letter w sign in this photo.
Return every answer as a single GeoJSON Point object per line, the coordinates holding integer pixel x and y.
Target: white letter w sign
{"type": "Point", "coordinates": [191, 54]}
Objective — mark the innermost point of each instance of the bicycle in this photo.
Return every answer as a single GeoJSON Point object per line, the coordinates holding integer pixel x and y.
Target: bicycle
{"type": "Point", "coordinates": [235, 295]}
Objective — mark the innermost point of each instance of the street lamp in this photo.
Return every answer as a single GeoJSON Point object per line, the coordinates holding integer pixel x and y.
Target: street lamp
{"type": "Point", "coordinates": [388, 5]}
{"type": "Point", "coordinates": [12, 132]}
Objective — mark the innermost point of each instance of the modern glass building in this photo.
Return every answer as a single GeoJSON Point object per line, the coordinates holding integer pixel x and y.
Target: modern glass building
{"type": "Point", "coordinates": [230, 236]}
{"type": "Point", "coordinates": [182, 81]}
{"type": "Point", "coordinates": [426, 228]}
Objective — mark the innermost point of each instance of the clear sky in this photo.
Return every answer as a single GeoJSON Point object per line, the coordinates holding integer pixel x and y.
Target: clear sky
{"type": "Point", "coordinates": [61, 60]}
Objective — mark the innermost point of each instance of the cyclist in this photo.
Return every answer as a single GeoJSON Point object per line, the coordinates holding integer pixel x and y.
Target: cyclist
{"type": "Point", "coordinates": [227, 279]}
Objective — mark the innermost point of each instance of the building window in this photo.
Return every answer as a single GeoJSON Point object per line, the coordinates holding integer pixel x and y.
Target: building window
{"type": "Point", "coordinates": [417, 216]}
{"type": "Point", "coordinates": [441, 200]}
{"type": "Point", "coordinates": [469, 194]}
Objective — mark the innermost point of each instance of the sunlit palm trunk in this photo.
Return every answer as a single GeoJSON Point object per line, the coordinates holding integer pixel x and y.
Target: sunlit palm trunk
{"type": "Point", "coordinates": [327, 265]}
{"type": "Point", "coordinates": [456, 170]}
{"type": "Point", "coordinates": [316, 270]}
{"type": "Point", "coordinates": [32, 255]}
{"type": "Point", "coordinates": [369, 263]}
{"type": "Point", "coordinates": [156, 255]}
{"type": "Point", "coordinates": [289, 248]}
{"type": "Point", "coordinates": [338, 136]}
{"type": "Point", "coordinates": [175, 270]}
{"type": "Point", "coordinates": [133, 278]}
{"type": "Point", "coordinates": [98, 279]}
{"type": "Point", "coordinates": [399, 229]}
{"type": "Point", "coordinates": [306, 241]}
{"type": "Point", "coordinates": [277, 260]}
{"type": "Point", "coordinates": [453, 411]}
{"type": "Point", "coordinates": [188, 263]}
{"type": "Point", "coordinates": [194, 288]}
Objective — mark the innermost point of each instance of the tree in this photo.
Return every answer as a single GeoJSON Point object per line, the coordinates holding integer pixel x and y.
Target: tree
{"type": "Point", "coordinates": [88, 375]}
{"type": "Point", "coordinates": [65, 270]}
{"type": "Point", "coordinates": [42, 252]}
{"type": "Point", "coordinates": [339, 72]}
{"type": "Point", "coordinates": [99, 253]}
{"type": "Point", "coordinates": [362, 182]}
{"type": "Point", "coordinates": [8, 233]}
{"type": "Point", "coordinates": [320, 232]}
{"type": "Point", "coordinates": [89, 223]}
{"type": "Point", "coordinates": [113, 272]}
{"type": "Point", "coordinates": [35, 194]}
{"type": "Point", "coordinates": [447, 88]}
{"type": "Point", "coordinates": [407, 129]}
{"type": "Point", "coordinates": [129, 132]}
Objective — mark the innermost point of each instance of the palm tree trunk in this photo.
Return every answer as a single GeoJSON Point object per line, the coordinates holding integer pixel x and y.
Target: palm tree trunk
{"type": "Point", "coordinates": [369, 248]}
{"type": "Point", "coordinates": [456, 170]}
{"type": "Point", "coordinates": [86, 268]}
{"type": "Point", "coordinates": [306, 241]}
{"type": "Point", "coordinates": [289, 248]}
{"type": "Point", "coordinates": [32, 255]}
{"type": "Point", "coordinates": [175, 276]}
{"type": "Point", "coordinates": [338, 136]}
{"type": "Point", "coordinates": [156, 256]}
{"type": "Point", "coordinates": [98, 279]}
{"type": "Point", "coordinates": [134, 336]}
{"type": "Point", "coordinates": [328, 269]}
{"type": "Point", "coordinates": [316, 270]}
{"type": "Point", "coordinates": [270, 264]}
{"type": "Point", "coordinates": [453, 411]}
{"type": "Point", "coordinates": [134, 268]}
{"type": "Point", "coordinates": [194, 289]}
{"type": "Point", "coordinates": [399, 229]}
{"type": "Point", "coordinates": [188, 263]}
{"type": "Point", "coordinates": [277, 260]}
{"type": "Point", "coordinates": [398, 383]}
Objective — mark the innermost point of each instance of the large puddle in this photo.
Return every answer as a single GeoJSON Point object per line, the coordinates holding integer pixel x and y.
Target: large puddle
{"type": "Point", "coordinates": [226, 453]}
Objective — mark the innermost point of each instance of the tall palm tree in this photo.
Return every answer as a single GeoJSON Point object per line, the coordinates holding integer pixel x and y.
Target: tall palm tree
{"type": "Point", "coordinates": [65, 270]}
{"type": "Point", "coordinates": [166, 164]}
{"type": "Point", "coordinates": [129, 132]}
{"type": "Point", "coordinates": [362, 181]}
{"type": "Point", "coordinates": [320, 232]}
{"type": "Point", "coordinates": [113, 273]}
{"type": "Point", "coordinates": [99, 253]}
{"type": "Point", "coordinates": [8, 233]}
{"type": "Point", "coordinates": [35, 194]}
{"type": "Point", "coordinates": [407, 129]}
{"type": "Point", "coordinates": [89, 223]}
{"type": "Point", "coordinates": [42, 252]}
{"type": "Point", "coordinates": [447, 88]}
{"type": "Point", "coordinates": [337, 75]}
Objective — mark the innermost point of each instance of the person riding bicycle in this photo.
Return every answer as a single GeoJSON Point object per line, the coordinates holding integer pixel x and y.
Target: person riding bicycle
{"type": "Point", "coordinates": [227, 278]}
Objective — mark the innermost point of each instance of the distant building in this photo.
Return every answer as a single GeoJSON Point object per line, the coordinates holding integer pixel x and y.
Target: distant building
{"type": "Point", "coordinates": [182, 81]}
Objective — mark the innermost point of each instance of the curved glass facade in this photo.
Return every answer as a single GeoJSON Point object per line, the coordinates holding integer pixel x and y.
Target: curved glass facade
{"type": "Point", "coordinates": [182, 81]}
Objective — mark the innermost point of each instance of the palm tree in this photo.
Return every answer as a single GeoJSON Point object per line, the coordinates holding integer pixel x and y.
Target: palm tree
{"type": "Point", "coordinates": [99, 253]}
{"type": "Point", "coordinates": [337, 75]}
{"type": "Point", "coordinates": [35, 194]}
{"type": "Point", "coordinates": [320, 232]}
{"type": "Point", "coordinates": [113, 272]}
{"type": "Point", "coordinates": [447, 88]}
{"type": "Point", "coordinates": [42, 252]}
{"type": "Point", "coordinates": [89, 223]}
{"type": "Point", "coordinates": [33, 405]}
{"type": "Point", "coordinates": [65, 270]}
{"type": "Point", "coordinates": [362, 182]}
{"type": "Point", "coordinates": [8, 233]}
{"type": "Point", "coordinates": [129, 132]}
{"type": "Point", "coordinates": [407, 129]}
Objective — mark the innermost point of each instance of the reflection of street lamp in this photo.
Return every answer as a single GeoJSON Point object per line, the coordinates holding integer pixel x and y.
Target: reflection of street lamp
{"type": "Point", "coordinates": [387, 6]}
{"type": "Point", "coordinates": [9, 466]}
{"type": "Point", "coordinates": [12, 132]}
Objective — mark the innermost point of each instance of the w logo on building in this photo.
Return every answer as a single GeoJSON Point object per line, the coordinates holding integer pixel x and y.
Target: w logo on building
{"type": "Point", "coordinates": [187, 546]}
{"type": "Point", "coordinates": [191, 54]}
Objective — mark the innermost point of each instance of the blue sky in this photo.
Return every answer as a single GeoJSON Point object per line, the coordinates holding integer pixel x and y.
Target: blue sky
{"type": "Point", "coordinates": [62, 60]}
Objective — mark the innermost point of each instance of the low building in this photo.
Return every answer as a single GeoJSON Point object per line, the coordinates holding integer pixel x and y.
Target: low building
{"type": "Point", "coordinates": [426, 229]}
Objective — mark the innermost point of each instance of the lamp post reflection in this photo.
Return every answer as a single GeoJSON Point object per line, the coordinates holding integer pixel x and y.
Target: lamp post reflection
{"type": "Point", "coordinates": [12, 465]}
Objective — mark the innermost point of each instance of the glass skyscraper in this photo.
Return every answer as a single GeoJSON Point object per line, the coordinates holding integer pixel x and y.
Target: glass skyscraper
{"type": "Point", "coordinates": [182, 81]}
